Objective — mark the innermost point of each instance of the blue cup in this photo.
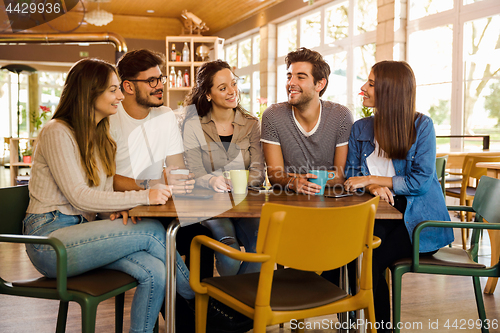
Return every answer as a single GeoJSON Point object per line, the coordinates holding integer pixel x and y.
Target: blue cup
{"type": "Point", "coordinates": [323, 177]}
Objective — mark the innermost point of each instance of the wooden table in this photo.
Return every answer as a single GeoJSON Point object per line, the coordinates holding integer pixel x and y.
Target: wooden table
{"type": "Point", "coordinates": [226, 205]}
{"type": "Point", "coordinates": [492, 170]}
{"type": "Point", "coordinates": [456, 158]}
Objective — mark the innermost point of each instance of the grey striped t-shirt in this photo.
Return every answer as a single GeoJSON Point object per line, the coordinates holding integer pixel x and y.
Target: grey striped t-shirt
{"type": "Point", "coordinates": [305, 151]}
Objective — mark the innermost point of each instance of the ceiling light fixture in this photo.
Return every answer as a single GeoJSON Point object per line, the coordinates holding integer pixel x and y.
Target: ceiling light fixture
{"type": "Point", "coordinates": [99, 17]}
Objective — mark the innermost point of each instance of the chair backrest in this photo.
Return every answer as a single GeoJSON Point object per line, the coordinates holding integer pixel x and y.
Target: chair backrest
{"type": "Point", "coordinates": [441, 171]}
{"type": "Point", "coordinates": [470, 170]}
{"type": "Point", "coordinates": [13, 204]}
{"type": "Point", "coordinates": [317, 239]}
{"type": "Point", "coordinates": [486, 202]}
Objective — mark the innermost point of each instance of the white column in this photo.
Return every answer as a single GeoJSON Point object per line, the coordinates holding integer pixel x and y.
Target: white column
{"type": "Point", "coordinates": [391, 30]}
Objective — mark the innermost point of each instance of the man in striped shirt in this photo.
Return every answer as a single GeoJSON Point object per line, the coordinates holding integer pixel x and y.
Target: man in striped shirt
{"type": "Point", "coordinates": [305, 133]}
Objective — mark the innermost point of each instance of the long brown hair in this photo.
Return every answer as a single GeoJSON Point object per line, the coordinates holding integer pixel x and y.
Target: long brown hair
{"type": "Point", "coordinates": [86, 81]}
{"type": "Point", "coordinates": [395, 109]}
{"type": "Point", "coordinates": [204, 83]}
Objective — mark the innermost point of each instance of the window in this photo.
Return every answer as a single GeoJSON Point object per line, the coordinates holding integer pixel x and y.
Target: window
{"type": "Point", "coordinates": [337, 22]}
{"type": "Point", "coordinates": [433, 73]}
{"type": "Point", "coordinates": [365, 16]}
{"type": "Point", "coordinates": [364, 59]}
{"type": "Point", "coordinates": [243, 54]}
{"type": "Point", "coordinates": [287, 38]}
{"type": "Point", "coordinates": [482, 77]}
{"type": "Point", "coordinates": [231, 55]}
{"type": "Point", "coordinates": [310, 30]}
{"type": "Point", "coordinates": [454, 50]}
{"type": "Point", "coordinates": [422, 8]}
{"type": "Point", "coordinates": [12, 125]}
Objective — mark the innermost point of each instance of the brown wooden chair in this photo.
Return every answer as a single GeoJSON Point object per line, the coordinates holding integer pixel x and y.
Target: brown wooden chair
{"type": "Point", "coordinates": [465, 193]}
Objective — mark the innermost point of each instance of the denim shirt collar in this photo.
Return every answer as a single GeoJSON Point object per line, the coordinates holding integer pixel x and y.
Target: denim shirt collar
{"type": "Point", "coordinates": [367, 133]}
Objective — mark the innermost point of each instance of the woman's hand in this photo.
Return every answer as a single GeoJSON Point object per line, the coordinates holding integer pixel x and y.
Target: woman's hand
{"type": "Point", "coordinates": [353, 183]}
{"type": "Point", "coordinates": [124, 213]}
{"type": "Point", "coordinates": [382, 191]}
{"type": "Point", "coordinates": [220, 184]}
{"type": "Point", "coordinates": [159, 196]}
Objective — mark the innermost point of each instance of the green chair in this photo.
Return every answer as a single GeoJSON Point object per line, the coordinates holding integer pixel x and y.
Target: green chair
{"type": "Point", "coordinates": [88, 289]}
{"type": "Point", "coordinates": [441, 171]}
{"type": "Point", "coordinates": [455, 261]}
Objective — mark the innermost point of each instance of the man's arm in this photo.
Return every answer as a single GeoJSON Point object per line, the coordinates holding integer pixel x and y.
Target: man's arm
{"type": "Point", "coordinates": [339, 165]}
{"type": "Point", "coordinates": [277, 175]}
{"type": "Point", "coordinates": [122, 184]}
{"type": "Point", "coordinates": [176, 160]}
{"type": "Point", "coordinates": [275, 164]}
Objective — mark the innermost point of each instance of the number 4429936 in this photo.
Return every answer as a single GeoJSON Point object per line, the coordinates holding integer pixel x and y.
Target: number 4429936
{"type": "Point", "coordinates": [464, 324]}
{"type": "Point", "coordinates": [31, 8]}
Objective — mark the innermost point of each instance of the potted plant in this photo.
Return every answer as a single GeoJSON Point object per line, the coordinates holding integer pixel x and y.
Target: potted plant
{"type": "Point", "coordinates": [27, 155]}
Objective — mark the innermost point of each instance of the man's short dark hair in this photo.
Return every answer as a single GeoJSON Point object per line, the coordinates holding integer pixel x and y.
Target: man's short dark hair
{"type": "Point", "coordinates": [320, 68]}
{"type": "Point", "coordinates": [133, 62]}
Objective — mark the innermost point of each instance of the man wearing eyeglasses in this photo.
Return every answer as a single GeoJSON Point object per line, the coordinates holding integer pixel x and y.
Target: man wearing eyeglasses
{"type": "Point", "coordinates": [145, 131]}
{"type": "Point", "coordinates": [148, 138]}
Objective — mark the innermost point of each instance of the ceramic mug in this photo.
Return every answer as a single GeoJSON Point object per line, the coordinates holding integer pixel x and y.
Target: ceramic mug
{"type": "Point", "coordinates": [323, 177]}
{"type": "Point", "coordinates": [239, 180]}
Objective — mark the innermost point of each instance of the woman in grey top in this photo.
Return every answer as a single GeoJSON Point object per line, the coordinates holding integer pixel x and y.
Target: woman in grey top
{"type": "Point", "coordinates": [220, 135]}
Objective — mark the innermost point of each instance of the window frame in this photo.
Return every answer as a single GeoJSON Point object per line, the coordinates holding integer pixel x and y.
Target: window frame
{"type": "Point", "coordinates": [457, 17]}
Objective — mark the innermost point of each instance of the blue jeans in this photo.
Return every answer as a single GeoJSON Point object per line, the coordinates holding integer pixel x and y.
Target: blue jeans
{"type": "Point", "coordinates": [136, 249]}
{"type": "Point", "coordinates": [227, 231]}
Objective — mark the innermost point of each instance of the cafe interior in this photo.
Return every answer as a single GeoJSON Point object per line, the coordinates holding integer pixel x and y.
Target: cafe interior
{"type": "Point", "coordinates": [453, 47]}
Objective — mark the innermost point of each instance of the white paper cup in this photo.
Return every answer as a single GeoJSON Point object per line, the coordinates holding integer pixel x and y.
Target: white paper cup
{"type": "Point", "coordinates": [180, 172]}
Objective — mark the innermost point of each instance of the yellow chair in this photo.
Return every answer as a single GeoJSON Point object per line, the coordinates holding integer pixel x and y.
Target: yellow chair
{"type": "Point", "coordinates": [470, 175]}
{"type": "Point", "coordinates": [305, 240]}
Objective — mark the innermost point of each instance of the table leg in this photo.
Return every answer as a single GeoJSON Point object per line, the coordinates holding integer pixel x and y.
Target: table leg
{"type": "Point", "coordinates": [170, 294]}
{"type": "Point", "coordinates": [495, 252]}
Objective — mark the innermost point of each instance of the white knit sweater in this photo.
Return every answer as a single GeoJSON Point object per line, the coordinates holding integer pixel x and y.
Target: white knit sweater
{"type": "Point", "coordinates": [58, 180]}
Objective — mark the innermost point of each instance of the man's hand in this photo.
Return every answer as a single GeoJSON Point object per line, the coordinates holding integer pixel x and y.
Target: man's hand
{"type": "Point", "coordinates": [301, 185]}
{"type": "Point", "coordinates": [124, 214]}
{"type": "Point", "coordinates": [179, 183]}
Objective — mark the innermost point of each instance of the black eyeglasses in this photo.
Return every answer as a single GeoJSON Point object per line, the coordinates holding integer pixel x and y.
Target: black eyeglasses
{"type": "Point", "coordinates": [153, 81]}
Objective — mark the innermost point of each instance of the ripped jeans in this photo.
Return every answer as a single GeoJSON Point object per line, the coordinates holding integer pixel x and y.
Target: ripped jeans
{"type": "Point", "coordinates": [228, 231]}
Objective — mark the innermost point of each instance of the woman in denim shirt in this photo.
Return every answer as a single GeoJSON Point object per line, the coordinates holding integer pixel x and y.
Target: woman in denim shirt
{"type": "Point", "coordinates": [393, 155]}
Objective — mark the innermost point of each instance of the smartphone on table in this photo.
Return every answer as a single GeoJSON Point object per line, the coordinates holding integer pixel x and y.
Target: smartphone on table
{"type": "Point", "coordinates": [261, 189]}
{"type": "Point", "coordinates": [339, 195]}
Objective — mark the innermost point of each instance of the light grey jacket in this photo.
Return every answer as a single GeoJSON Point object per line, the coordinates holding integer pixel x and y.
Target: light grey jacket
{"type": "Point", "coordinates": [206, 156]}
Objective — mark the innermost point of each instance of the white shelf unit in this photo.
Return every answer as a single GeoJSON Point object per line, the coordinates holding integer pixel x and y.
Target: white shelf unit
{"type": "Point", "coordinates": [215, 44]}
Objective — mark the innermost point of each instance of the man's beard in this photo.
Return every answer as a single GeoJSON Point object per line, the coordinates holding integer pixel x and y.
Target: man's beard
{"type": "Point", "coordinates": [144, 101]}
